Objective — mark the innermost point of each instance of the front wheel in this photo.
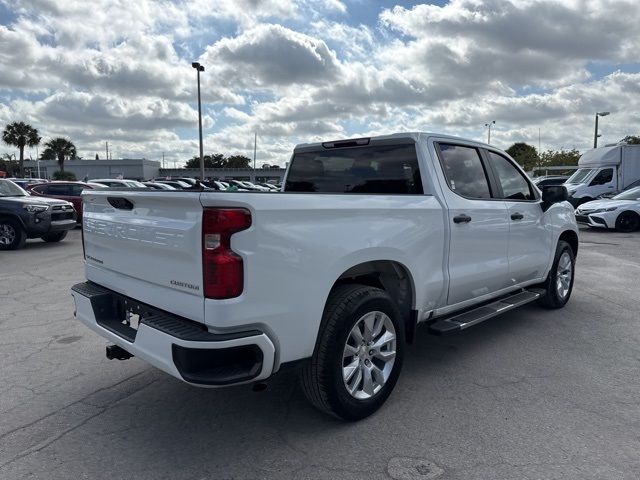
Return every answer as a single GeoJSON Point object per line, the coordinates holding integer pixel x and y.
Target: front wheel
{"type": "Point", "coordinates": [358, 354]}
{"type": "Point", "coordinates": [559, 283]}
{"type": "Point", "coordinates": [628, 222]}
{"type": "Point", "coordinates": [54, 237]}
{"type": "Point", "coordinates": [12, 235]}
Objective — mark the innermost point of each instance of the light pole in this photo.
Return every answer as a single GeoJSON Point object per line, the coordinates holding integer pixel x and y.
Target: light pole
{"type": "Point", "coordinates": [595, 133]}
{"type": "Point", "coordinates": [199, 68]}
{"type": "Point", "coordinates": [488, 125]}
{"type": "Point", "coordinates": [255, 145]}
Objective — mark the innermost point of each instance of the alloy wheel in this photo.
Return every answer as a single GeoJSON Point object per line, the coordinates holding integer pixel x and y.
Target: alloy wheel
{"type": "Point", "coordinates": [564, 275]}
{"type": "Point", "coordinates": [7, 234]}
{"type": "Point", "coordinates": [369, 355]}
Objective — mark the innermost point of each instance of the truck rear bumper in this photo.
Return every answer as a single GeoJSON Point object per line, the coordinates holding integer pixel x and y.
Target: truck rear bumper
{"type": "Point", "coordinates": [180, 347]}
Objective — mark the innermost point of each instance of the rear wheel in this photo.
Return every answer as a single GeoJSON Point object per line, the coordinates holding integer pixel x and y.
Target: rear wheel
{"type": "Point", "coordinates": [54, 237]}
{"type": "Point", "coordinates": [559, 283]}
{"type": "Point", "coordinates": [358, 354]}
{"type": "Point", "coordinates": [628, 222]}
{"type": "Point", "coordinates": [12, 235]}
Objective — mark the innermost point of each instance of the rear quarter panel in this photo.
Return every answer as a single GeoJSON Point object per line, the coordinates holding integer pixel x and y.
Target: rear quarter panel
{"type": "Point", "coordinates": [300, 244]}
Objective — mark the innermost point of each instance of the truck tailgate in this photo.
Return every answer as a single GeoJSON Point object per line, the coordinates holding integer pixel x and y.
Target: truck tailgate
{"type": "Point", "coordinates": [146, 245]}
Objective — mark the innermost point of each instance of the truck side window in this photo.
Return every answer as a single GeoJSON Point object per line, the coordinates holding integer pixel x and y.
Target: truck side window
{"type": "Point", "coordinates": [514, 185]}
{"type": "Point", "coordinates": [464, 171]}
{"type": "Point", "coordinates": [604, 176]}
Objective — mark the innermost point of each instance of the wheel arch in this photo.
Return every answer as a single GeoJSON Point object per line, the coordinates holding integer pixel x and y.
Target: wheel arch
{"type": "Point", "coordinates": [390, 276]}
{"type": "Point", "coordinates": [571, 238]}
{"type": "Point", "coordinates": [12, 216]}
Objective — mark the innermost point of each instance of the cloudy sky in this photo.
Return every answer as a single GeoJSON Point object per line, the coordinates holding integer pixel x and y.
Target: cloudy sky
{"type": "Point", "coordinates": [304, 70]}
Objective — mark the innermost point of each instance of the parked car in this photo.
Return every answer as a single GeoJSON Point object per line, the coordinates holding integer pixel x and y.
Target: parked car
{"type": "Point", "coordinates": [369, 238]}
{"type": "Point", "coordinates": [117, 183]}
{"type": "Point", "coordinates": [604, 170]}
{"type": "Point", "coordinates": [622, 212]}
{"type": "Point", "coordinates": [26, 182]}
{"type": "Point", "coordinates": [256, 186]}
{"type": "Point", "coordinates": [270, 186]}
{"type": "Point", "coordinates": [550, 180]}
{"type": "Point", "coordinates": [69, 191]}
{"type": "Point", "coordinates": [158, 186]}
{"type": "Point", "coordinates": [24, 216]}
{"type": "Point", "coordinates": [244, 185]}
{"type": "Point", "coordinates": [191, 181]}
{"type": "Point", "coordinates": [177, 184]}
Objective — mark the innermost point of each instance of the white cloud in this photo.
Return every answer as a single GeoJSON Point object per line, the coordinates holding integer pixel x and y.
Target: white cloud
{"type": "Point", "coordinates": [269, 56]}
{"type": "Point", "coordinates": [302, 70]}
{"type": "Point", "coordinates": [475, 44]}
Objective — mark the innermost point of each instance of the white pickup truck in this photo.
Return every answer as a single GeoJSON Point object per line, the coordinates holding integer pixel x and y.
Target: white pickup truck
{"type": "Point", "coordinates": [368, 238]}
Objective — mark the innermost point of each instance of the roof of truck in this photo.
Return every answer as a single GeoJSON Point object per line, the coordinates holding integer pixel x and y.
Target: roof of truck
{"type": "Point", "coordinates": [412, 136]}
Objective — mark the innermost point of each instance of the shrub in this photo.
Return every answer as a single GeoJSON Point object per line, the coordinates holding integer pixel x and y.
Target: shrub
{"type": "Point", "coordinates": [70, 176]}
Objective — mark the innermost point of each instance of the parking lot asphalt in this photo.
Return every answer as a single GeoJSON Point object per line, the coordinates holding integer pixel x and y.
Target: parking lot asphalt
{"type": "Point", "coordinates": [533, 394]}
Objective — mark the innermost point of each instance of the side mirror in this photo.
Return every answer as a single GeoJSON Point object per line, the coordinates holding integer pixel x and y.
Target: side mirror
{"type": "Point", "coordinates": [553, 194]}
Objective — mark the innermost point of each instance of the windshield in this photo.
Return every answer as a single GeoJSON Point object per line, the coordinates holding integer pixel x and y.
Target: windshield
{"type": "Point", "coordinates": [10, 189]}
{"type": "Point", "coordinates": [579, 176]}
{"type": "Point", "coordinates": [632, 194]}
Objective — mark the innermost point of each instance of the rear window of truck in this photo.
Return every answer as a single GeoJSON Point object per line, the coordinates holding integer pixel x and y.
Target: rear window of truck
{"type": "Point", "coordinates": [388, 169]}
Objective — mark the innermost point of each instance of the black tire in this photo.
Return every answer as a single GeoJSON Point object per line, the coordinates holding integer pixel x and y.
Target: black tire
{"type": "Point", "coordinates": [12, 235]}
{"type": "Point", "coordinates": [322, 377]}
{"type": "Point", "coordinates": [628, 222]}
{"type": "Point", "coordinates": [552, 298]}
{"type": "Point", "coordinates": [54, 237]}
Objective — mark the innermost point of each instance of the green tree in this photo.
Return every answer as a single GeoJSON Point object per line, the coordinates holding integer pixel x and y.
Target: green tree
{"type": "Point", "coordinates": [237, 161]}
{"type": "Point", "coordinates": [526, 155]}
{"type": "Point", "coordinates": [631, 140]}
{"type": "Point", "coordinates": [9, 165]}
{"type": "Point", "coordinates": [552, 158]}
{"type": "Point", "coordinates": [215, 160]}
{"type": "Point", "coordinates": [59, 149]}
{"type": "Point", "coordinates": [20, 134]}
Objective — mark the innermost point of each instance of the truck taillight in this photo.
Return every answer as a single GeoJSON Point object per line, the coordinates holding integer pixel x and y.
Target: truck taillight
{"type": "Point", "coordinates": [223, 270]}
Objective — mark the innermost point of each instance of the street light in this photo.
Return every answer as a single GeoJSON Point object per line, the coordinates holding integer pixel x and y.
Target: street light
{"type": "Point", "coordinates": [199, 68]}
{"type": "Point", "coordinates": [595, 133]}
{"type": "Point", "coordinates": [493, 122]}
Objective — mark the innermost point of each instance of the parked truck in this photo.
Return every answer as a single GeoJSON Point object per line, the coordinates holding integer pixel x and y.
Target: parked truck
{"type": "Point", "coordinates": [604, 170]}
{"type": "Point", "coordinates": [369, 238]}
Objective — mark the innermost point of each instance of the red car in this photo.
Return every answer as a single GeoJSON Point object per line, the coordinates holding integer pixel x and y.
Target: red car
{"type": "Point", "coordinates": [69, 191]}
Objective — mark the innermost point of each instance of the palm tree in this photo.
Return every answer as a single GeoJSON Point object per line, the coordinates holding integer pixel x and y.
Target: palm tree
{"type": "Point", "coordinates": [20, 134]}
{"type": "Point", "coordinates": [59, 148]}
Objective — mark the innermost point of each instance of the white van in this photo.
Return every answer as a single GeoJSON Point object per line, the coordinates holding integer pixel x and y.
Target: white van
{"type": "Point", "coordinates": [603, 170]}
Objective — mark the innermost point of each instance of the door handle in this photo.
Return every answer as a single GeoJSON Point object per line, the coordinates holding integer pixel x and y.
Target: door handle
{"type": "Point", "coordinates": [462, 218]}
{"type": "Point", "coordinates": [517, 216]}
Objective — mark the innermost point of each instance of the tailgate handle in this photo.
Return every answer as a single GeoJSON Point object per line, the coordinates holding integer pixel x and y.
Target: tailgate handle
{"type": "Point", "coordinates": [120, 203]}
